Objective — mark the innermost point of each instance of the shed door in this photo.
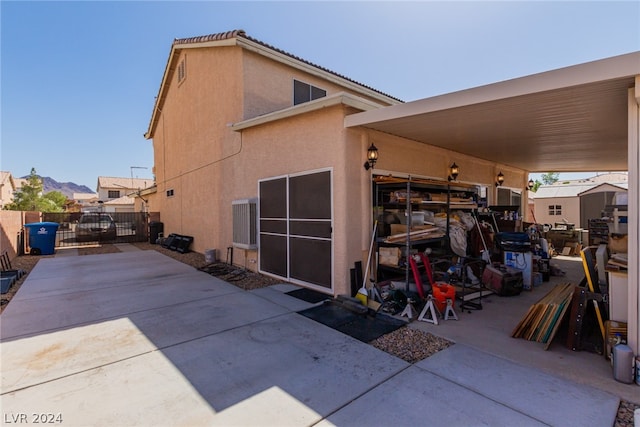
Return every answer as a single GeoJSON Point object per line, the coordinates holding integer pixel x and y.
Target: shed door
{"type": "Point", "coordinates": [594, 206]}
{"type": "Point", "coordinates": [296, 228]}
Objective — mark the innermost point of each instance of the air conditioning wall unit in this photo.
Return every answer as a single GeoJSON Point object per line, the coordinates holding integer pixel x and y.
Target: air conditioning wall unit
{"type": "Point", "coordinates": [245, 218]}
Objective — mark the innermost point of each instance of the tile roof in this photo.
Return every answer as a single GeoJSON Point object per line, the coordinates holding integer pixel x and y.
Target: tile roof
{"type": "Point", "coordinates": [124, 200]}
{"type": "Point", "coordinates": [85, 196]}
{"type": "Point", "coordinates": [242, 34]}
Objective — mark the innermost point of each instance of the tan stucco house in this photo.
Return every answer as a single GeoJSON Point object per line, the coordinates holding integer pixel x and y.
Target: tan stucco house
{"type": "Point", "coordinates": [258, 150]}
{"type": "Point", "coordinates": [117, 194]}
{"type": "Point", "coordinates": [7, 188]}
{"type": "Point", "coordinates": [236, 119]}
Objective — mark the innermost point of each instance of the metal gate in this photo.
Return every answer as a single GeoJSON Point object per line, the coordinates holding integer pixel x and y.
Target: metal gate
{"type": "Point", "coordinates": [76, 228]}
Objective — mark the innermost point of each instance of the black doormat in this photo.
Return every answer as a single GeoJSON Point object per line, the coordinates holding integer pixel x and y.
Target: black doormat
{"type": "Point", "coordinates": [365, 328]}
{"type": "Point", "coordinates": [308, 295]}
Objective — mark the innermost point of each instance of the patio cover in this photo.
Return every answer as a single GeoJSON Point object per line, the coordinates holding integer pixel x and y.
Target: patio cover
{"type": "Point", "coordinates": [567, 120]}
{"type": "Point", "coordinates": [581, 118]}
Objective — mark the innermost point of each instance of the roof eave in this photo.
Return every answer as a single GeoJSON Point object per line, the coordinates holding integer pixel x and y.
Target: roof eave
{"type": "Point", "coordinates": [342, 98]}
{"type": "Point", "coordinates": [617, 67]}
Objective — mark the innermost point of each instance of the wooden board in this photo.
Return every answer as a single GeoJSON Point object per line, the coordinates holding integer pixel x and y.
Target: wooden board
{"type": "Point", "coordinates": [427, 233]}
{"type": "Point", "coordinates": [592, 279]}
{"type": "Point", "coordinates": [540, 323]}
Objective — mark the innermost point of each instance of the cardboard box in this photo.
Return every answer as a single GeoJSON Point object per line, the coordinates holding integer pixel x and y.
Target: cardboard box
{"type": "Point", "coordinates": [389, 256]}
{"type": "Point", "coordinates": [618, 243]}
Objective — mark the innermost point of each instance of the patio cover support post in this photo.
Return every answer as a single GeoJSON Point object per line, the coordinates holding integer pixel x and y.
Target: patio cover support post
{"type": "Point", "coordinates": [633, 210]}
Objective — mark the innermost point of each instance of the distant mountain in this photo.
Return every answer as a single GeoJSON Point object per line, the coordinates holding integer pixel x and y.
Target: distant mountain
{"type": "Point", "coordinates": [66, 188]}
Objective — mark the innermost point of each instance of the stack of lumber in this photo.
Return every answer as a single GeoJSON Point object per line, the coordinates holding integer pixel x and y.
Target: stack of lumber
{"type": "Point", "coordinates": [422, 234]}
{"type": "Point", "coordinates": [541, 322]}
{"type": "Point", "coordinates": [617, 262]}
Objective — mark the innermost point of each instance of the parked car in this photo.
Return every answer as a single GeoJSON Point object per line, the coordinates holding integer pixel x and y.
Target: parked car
{"type": "Point", "coordinates": [96, 227]}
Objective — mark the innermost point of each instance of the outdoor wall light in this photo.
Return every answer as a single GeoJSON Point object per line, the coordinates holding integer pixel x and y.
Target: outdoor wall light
{"type": "Point", "coordinates": [454, 170]}
{"type": "Point", "coordinates": [499, 179]}
{"type": "Point", "coordinates": [530, 184]}
{"type": "Point", "coordinates": [372, 157]}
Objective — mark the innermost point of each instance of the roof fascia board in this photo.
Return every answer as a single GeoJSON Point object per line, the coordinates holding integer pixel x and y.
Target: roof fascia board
{"type": "Point", "coordinates": [168, 69]}
{"type": "Point", "coordinates": [292, 62]}
{"type": "Point", "coordinates": [617, 67]}
{"type": "Point", "coordinates": [318, 104]}
{"type": "Point", "coordinates": [149, 190]}
{"type": "Point", "coordinates": [599, 187]}
{"type": "Point", "coordinates": [211, 43]}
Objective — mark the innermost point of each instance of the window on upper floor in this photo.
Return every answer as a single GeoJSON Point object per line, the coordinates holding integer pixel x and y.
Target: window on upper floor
{"type": "Point", "coordinates": [170, 192]}
{"type": "Point", "coordinates": [114, 194]}
{"type": "Point", "coordinates": [304, 92]}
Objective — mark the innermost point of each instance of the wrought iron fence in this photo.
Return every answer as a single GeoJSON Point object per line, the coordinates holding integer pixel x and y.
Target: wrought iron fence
{"type": "Point", "coordinates": [77, 228]}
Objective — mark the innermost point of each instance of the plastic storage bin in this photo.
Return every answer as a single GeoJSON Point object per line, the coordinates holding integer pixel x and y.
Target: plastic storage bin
{"type": "Point", "coordinates": [42, 237]}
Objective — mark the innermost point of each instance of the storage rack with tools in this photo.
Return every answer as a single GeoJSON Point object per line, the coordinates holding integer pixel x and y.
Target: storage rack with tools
{"type": "Point", "coordinates": [405, 209]}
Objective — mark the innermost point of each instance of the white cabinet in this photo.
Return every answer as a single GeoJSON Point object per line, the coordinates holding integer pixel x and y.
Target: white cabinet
{"type": "Point", "coordinates": [618, 296]}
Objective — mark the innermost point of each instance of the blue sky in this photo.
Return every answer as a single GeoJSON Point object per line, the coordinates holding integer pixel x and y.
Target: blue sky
{"type": "Point", "coordinates": [79, 78]}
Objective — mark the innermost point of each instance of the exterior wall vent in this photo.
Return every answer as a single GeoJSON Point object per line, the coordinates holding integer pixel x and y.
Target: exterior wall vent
{"type": "Point", "coordinates": [245, 223]}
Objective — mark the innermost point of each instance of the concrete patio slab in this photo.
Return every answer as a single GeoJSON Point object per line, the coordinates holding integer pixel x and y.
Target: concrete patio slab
{"type": "Point", "coordinates": [101, 271]}
{"type": "Point", "coordinates": [29, 316]}
{"type": "Point", "coordinates": [308, 363]}
{"type": "Point", "coordinates": [184, 322]}
{"type": "Point", "coordinates": [547, 398]}
{"type": "Point", "coordinates": [147, 390]}
{"type": "Point", "coordinates": [41, 358]}
{"type": "Point", "coordinates": [44, 357]}
{"type": "Point", "coordinates": [286, 370]}
{"type": "Point", "coordinates": [165, 346]}
{"type": "Point", "coordinates": [416, 397]}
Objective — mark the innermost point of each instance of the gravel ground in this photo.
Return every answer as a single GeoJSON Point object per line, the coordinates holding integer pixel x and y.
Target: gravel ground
{"type": "Point", "coordinates": [408, 344]}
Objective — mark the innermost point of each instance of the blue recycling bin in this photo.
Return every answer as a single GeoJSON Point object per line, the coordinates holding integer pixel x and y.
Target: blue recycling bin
{"type": "Point", "coordinates": [42, 237]}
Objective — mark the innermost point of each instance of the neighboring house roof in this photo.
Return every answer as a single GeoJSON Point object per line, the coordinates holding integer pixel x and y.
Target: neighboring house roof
{"type": "Point", "coordinates": [606, 186]}
{"type": "Point", "coordinates": [124, 183]}
{"type": "Point", "coordinates": [85, 196]}
{"type": "Point", "coordinates": [124, 200]}
{"type": "Point", "coordinates": [576, 189]}
{"type": "Point", "coordinates": [240, 38]}
{"type": "Point", "coordinates": [557, 191]}
{"type": "Point", "coordinates": [611, 177]}
{"type": "Point", "coordinates": [19, 182]}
